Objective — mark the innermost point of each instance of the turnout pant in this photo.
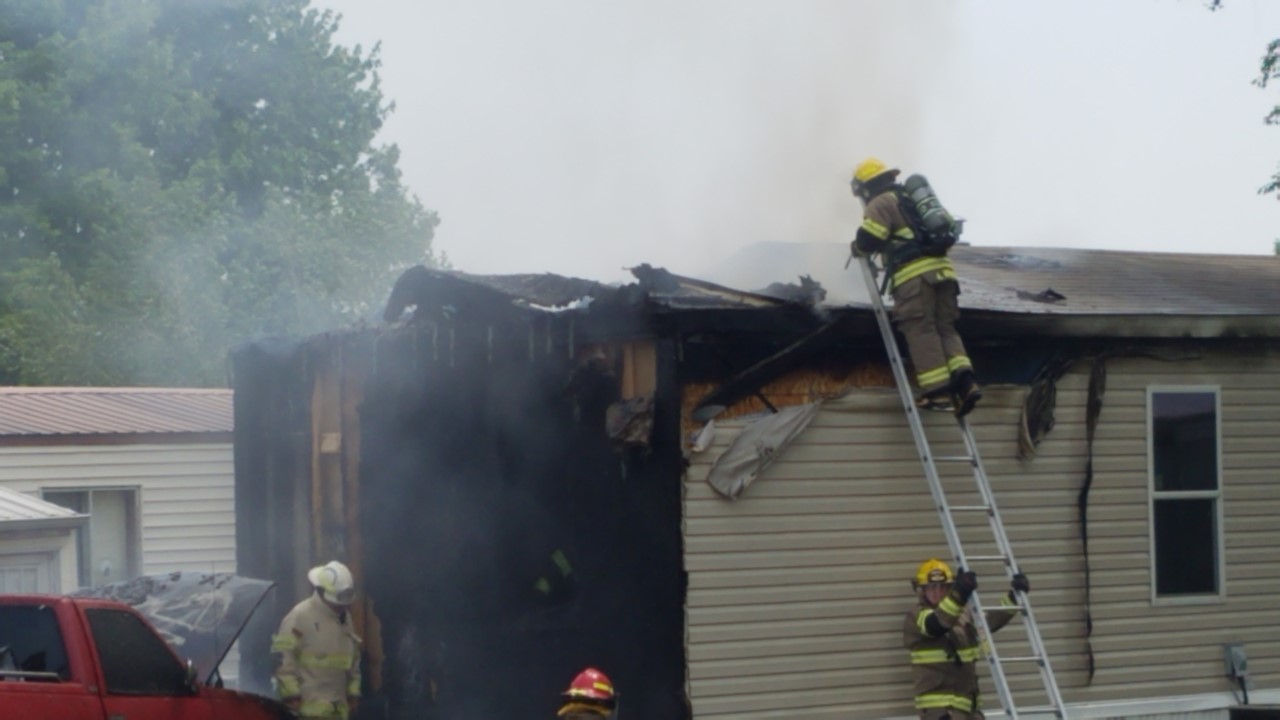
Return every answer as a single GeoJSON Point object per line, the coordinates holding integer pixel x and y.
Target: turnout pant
{"type": "Point", "coordinates": [925, 309]}
{"type": "Point", "coordinates": [950, 714]}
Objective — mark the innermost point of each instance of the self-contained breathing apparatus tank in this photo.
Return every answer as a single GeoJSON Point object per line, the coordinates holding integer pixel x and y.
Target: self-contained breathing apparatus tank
{"type": "Point", "coordinates": [925, 213]}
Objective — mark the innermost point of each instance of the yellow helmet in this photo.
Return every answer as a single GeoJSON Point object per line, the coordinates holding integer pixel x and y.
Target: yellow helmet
{"type": "Point", "coordinates": [933, 570]}
{"type": "Point", "coordinates": [869, 169]}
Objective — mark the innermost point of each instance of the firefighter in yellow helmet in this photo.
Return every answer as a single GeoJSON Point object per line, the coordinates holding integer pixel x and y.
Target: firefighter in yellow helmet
{"type": "Point", "coordinates": [944, 643]}
{"type": "Point", "coordinates": [318, 675]}
{"type": "Point", "coordinates": [925, 291]}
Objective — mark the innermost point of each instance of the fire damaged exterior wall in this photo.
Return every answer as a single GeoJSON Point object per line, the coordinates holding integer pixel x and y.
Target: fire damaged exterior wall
{"type": "Point", "coordinates": [463, 470]}
{"type": "Point", "coordinates": [798, 589]}
{"type": "Point", "coordinates": [488, 470]}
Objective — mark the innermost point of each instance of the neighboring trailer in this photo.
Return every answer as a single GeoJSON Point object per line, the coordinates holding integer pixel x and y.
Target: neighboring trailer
{"type": "Point", "coordinates": [150, 467]}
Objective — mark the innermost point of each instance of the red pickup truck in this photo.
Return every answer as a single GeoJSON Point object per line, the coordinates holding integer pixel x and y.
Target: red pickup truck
{"type": "Point", "coordinates": [80, 658]}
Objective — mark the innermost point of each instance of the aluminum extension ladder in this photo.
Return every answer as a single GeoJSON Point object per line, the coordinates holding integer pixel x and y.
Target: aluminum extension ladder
{"type": "Point", "coordinates": [988, 507]}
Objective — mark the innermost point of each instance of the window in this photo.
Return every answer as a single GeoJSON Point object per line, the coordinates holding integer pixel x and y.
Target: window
{"type": "Point", "coordinates": [1184, 429]}
{"type": "Point", "coordinates": [31, 645]}
{"type": "Point", "coordinates": [108, 547]}
{"type": "Point", "coordinates": [135, 661]}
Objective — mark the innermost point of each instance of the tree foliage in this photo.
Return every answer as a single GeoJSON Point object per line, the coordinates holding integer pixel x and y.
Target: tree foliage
{"type": "Point", "coordinates": [1268, 70]}
{"type": "Point", "coordinates": [180, 175]}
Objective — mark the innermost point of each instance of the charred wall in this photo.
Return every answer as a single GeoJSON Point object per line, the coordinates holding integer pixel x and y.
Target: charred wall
{"type": "Point", "coordinates": [270, 455]}
{"type": "Point", "coordinates": [479, 472]}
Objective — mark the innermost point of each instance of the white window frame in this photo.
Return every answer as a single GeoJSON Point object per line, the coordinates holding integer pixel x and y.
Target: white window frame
{"type": "Point", "coordinates": [1215, 495]}
{"type": "Point", "coordinates": [133, 532]}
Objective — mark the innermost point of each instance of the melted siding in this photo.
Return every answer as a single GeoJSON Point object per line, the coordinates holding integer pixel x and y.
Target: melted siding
{"type": "Point", "coordinates": [798, 589]}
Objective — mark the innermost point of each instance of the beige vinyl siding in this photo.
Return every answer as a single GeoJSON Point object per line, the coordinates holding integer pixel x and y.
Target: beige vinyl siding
{"type": "Point", "coordinates": [797, 591]}
{"type": "Point", "coordinates": [186, 491]}
{"type": "Point", "coordinates": [1180, 645]}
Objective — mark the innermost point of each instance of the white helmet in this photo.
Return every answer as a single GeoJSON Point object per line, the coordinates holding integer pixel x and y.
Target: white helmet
{"type": "Point", "coordinates": [334, 582]}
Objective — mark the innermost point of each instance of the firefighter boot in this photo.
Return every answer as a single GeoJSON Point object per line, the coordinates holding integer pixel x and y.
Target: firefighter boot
{"type": "Point", "coordinates": [965, 386]}
{"type": "Point", "coordinates": [937, 401]}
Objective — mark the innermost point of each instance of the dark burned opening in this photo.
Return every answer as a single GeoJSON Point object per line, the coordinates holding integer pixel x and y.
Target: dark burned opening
{"type": "Point", "coordinates": [479, 491]}
{"type": "Point", "coordinates": [504, 543]}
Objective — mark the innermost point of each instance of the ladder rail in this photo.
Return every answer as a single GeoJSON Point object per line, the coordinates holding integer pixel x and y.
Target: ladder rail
{"type": "Point", "coordinates": [935, 482]}
{"type": "Point", "coordinates": [1005, 548]}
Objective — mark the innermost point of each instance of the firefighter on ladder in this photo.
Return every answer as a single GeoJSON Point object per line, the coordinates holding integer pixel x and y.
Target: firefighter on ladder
{"type": "Point", "coordinates": [589, 697]}
{"type": "Point", "coordinates": [944, 643]}
{"type": "Point", "coordinates": [318, 675]}
{"type": "Point", "coordinates": [925, 292]}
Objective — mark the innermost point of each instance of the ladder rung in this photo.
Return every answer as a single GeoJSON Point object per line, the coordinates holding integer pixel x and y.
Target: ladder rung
{"type": "Point", "coordinates": [986, 558]}
{"type": "Point", "coordinates": [1024, 658]}
{"type": "Point", "coordinates": [954, 458]}
{"type": "Point", "coordinates": [971, 508]}
{"type": "Point", "coordinates": [1040, 710]}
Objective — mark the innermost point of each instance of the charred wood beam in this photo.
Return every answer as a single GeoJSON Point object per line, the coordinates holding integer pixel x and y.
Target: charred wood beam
{"type": "Point", "coordinates": [749, 381]}
{"type": "Point", "coordinates": [726, 364]}
{"type": "Point", "coordinates": [776, 324]}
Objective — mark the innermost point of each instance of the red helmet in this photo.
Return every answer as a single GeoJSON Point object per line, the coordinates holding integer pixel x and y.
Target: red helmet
{"type": "Point", "coordinates": [591, 684]}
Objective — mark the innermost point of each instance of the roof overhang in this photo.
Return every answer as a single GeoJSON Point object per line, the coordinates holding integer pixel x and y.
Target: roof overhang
{"type": "Point", "coordinates": [979, 323]}
{"type": "Point", "coordinates": [87, 439]}
{"type": "Point", "coordinates": [56, 523]}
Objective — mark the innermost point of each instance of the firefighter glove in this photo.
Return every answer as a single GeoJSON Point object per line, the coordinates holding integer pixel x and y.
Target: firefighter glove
{"type": "Point", "coordinates": [965, 583]}
{"type": "Point", "coordinates": [1020, 583]}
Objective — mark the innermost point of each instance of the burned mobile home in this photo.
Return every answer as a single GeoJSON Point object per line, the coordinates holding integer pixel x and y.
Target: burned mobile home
{"type": "Point", "coordinates": [713, 494]}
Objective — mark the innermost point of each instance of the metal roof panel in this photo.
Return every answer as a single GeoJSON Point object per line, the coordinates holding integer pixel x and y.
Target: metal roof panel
{"type": "Point", "coordinates": [16, 506]}
{"type": "Point", "coordinates": [116, 410]}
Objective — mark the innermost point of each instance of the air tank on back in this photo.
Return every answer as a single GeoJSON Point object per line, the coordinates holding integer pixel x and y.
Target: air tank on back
{"type": "Point", "coordinates": [935, 218]}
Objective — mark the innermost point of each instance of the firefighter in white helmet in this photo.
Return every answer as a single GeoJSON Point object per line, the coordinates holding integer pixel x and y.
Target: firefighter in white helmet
{"type": "Point", "coordinates": [319, 668]}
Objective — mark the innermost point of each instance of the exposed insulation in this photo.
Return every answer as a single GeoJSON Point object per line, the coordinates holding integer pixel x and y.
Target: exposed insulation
{"type": "Point", "coordinates": [794, 388]}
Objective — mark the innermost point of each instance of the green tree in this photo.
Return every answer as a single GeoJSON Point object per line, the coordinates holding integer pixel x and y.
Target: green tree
{"type": "Point", "coordinates": [1269, 70]}
{"type": "Point", "coordinates": [179, 175]}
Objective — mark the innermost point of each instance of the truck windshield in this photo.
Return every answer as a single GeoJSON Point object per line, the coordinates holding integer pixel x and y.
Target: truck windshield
{"type": "Point", "coordinates": [31, 644]}
{"type": "Point", "coordinates": [135, 661]}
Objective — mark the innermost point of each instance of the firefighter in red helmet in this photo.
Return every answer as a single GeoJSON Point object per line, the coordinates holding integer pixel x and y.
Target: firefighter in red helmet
{"type": "Point", "coordinates": [590, 696]}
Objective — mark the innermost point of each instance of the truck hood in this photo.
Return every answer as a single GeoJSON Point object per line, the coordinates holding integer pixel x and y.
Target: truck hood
{"type": "Point", "coordinates": [199, 614]}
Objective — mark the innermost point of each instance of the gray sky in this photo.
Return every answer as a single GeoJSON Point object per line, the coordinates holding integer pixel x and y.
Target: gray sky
{"type": "Point", "coordinates": [584, 136]}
